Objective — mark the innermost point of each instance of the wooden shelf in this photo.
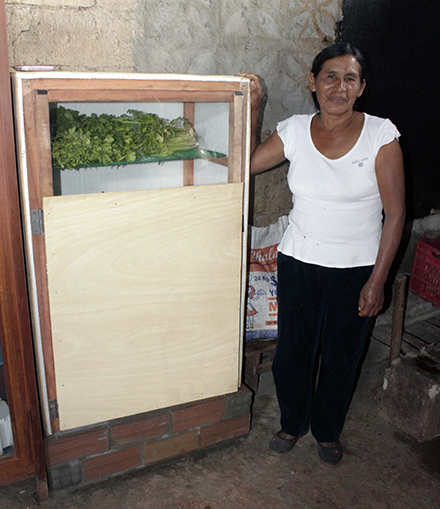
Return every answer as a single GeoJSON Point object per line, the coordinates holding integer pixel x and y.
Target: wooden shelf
{"type": "Point", "coordinates": [179, 155]}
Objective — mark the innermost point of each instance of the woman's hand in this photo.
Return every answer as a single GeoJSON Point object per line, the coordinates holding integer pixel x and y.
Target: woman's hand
{"type": "Point", "coordinates": [270, 153]}
{"type": "Point", "coordinates": [371, 299]}
{"type": "Point", "coordinates": [256, 90]}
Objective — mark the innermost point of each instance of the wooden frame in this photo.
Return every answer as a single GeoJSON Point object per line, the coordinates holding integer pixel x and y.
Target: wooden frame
{"type": "Point", "coordinates": [16, 340]}
{"type": "Point", "coordinates": [34, 92]}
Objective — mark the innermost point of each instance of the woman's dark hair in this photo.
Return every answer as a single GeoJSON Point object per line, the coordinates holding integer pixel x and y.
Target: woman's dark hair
{"type": "Point", "coordinates": [337, 50]}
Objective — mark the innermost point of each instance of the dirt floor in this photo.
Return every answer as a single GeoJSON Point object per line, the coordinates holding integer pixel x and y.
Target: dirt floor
{"type": "Point", "coordinates": [382, 467]}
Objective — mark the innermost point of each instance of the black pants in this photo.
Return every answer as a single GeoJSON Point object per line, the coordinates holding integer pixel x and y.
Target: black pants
{"type": "Point", "coordinates": [317, 314]}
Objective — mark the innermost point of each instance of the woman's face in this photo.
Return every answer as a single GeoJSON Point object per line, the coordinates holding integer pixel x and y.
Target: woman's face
{"type": "Point", "coordinates": [338, 84]}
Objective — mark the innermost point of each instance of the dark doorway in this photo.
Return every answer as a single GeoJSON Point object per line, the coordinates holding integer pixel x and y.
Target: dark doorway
{"type": "Point", "coordinates": [400, 41]}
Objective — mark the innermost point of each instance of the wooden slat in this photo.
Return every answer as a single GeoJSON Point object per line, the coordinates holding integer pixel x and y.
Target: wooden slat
{"type": "Point", "coordinates": [237, 142]}
{"type": "Point", "coordinates": [434, 320]}
{"type": "Point", "coordinates": [242, 175]}
{"type": "Point", "coordinates": [260, 346]}
{"type": "Point", "coordinates": [82, 95]}
{"type": "Point", "coordinates": [245, 139]}
{"type": "Point", "coordinates": [91, 82]}
{"type": "Point", "coordinates": [37, 185]}
{"type": "Point", "coordinates": [32, 148]}
{"type": "Point", "coordinates": [188, 172]}
{"type": "Point", "coordinates": [414, 341]}
{"type": "Point", "coordinates": [188, 165]}
{"type": "Point", "coordinates": [382, 334]}
{"type": "Point", "coordinates": [44, 151]}
{"type": "Point", "coordinates": [411, 343]}
{"type": "Point", "coordinates": [429, 333]}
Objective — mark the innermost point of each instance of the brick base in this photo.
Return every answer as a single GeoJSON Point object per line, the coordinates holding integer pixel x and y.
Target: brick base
{"type": "Point", "coordinates": [92, 453]}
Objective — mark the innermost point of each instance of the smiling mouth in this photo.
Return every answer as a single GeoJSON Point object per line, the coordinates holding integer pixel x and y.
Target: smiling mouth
{"type": "Point", "coordinates": [337, 99]}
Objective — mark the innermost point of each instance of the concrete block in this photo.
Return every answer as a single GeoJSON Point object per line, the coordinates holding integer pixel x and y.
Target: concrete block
{"type": "Point", "coordinates": [63, 475]}
{"type": "Point", "coordinates": [411, 394]}
{"type": "Point", "coordinates": [238, 403]}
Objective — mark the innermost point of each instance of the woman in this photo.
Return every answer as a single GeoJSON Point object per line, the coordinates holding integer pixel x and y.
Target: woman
{"type": "Point", "coordinates": [347, 183]}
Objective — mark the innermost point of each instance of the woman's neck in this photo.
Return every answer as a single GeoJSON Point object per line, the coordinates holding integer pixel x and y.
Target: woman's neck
{"type": "Point", "coordinates": [328, 122]}
{"type": "Point", "coordinates": [335, 137]}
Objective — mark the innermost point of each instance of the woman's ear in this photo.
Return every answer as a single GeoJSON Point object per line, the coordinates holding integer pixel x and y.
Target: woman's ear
{"type": "Point", "coordinates": [311, 80]}
{"type": "Point", "coordinates": [361, 91]}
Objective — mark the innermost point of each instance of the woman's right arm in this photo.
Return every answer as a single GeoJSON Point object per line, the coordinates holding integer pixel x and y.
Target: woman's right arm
{"type": "Point", "coordinates": [270, 153]}
{"type": "Point", "coordinates": [267, 154]}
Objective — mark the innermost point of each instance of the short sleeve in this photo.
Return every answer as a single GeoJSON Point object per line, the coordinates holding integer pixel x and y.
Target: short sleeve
{"type": "Point", "coordinates": [386, 134]}
{"type": "Point", "coordinates": [292, 132]}
{"type": "Point", "coordinates": [285, 132]}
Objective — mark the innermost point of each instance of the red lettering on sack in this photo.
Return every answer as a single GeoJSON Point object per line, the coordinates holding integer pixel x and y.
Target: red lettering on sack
{"type": "Point", "coordinates": [273, 307]}
{"type": "Point", "coordinates": [263, 259]}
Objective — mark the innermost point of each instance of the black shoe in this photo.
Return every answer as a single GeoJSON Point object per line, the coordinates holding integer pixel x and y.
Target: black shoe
{"type": "Point", "coordinates": [331, 455]}
{"type": "Point", "coordinates": [282, 445]}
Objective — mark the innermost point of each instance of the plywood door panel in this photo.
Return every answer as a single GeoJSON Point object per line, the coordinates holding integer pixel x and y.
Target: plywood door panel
{"type": "Point", "coordinates": [144, 291]}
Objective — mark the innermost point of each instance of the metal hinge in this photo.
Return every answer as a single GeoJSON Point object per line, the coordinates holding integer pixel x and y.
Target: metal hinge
{"type": "Point", "coordinates": [53, 409]}
{"type": "Point", "coordinates": [238, 93]}
{"type": "Point", "coordinates": [37, 222]}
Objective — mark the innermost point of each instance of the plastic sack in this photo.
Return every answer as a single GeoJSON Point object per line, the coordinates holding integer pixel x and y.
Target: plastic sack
{"type": "Point", "coordinates": [261, 303]}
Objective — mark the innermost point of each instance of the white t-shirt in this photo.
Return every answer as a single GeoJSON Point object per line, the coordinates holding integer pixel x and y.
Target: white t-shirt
{"type": "Point", "coordinates": [336, 219]}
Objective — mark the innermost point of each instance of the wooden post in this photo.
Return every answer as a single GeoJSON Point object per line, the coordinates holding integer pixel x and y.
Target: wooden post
{"type": "Point", "coordinates": [398, 315]}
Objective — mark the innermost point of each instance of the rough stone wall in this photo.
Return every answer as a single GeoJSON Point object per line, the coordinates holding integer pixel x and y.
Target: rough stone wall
{"type": "Point", "coordinates": [73, 35]}
{"type": "Point", "coordinates": [276, 39]}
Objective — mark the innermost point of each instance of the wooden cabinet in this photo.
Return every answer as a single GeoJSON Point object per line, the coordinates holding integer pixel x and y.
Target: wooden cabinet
{"type": "Point", "coordinates": [136, 272]}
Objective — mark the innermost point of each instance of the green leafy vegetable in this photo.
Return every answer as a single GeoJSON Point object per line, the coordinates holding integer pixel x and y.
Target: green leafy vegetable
{"type": "Point", "coordinates": [106, 139]}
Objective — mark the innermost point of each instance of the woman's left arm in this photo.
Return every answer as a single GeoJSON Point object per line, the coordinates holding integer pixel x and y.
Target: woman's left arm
{"type": "Point", "coordinates": [391, 182]}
